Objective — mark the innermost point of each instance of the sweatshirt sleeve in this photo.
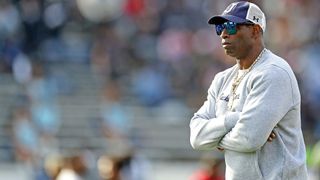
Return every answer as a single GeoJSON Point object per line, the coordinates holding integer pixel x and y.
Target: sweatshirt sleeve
{"type": "Point", "coordinates": [206, 130]}
{"type": "Point", "coordinates": [267, 103]}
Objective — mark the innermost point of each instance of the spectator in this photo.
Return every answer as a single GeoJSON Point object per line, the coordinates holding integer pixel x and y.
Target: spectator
{"type": "Point", "coordinates": [26, 137]}
{"type": "Point", "coordinates": [210, 170]}
{"type": "Point", "coordinates": [73, 168]}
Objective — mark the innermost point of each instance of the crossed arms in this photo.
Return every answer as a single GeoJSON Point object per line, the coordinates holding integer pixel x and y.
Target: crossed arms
{"type": "Point", "coordinates": [267, 103]}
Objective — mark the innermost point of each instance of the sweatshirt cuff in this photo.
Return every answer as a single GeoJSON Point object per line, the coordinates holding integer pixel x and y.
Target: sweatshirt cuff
{"type": "Point", "coordinates": [231, 119]}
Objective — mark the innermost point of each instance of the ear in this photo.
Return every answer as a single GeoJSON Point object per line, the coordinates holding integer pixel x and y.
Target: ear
{"type": "Point", "coordinates": [256, 31]}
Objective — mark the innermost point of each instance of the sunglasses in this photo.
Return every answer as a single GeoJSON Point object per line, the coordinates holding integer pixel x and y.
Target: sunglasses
{"type": "Point", "coordinates": [231, 27]}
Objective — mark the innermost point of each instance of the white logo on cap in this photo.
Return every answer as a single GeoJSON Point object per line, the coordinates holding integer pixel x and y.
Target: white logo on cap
{"type": "Point", "coordinates": [229, 8]}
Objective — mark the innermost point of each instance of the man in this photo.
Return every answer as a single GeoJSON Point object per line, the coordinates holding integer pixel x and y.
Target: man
{"type": "Point", "coordinates": [254, 101]}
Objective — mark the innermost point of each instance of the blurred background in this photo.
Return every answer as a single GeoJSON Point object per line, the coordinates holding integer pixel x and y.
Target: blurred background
{"type": "Point", "coordinates": [105, 89]}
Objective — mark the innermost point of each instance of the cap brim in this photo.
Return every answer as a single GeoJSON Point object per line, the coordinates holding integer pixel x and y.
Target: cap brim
{"type": "Point", "coordinates": [223, 18]}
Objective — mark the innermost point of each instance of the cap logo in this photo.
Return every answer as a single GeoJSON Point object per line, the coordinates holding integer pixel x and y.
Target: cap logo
{"type": "Point", "coordinates": [255, 18]}
{"type": "Point", "coordinates": [229, 8]}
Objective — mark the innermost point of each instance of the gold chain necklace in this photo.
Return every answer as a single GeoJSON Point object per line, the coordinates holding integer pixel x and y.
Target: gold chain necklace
{"type": "Point", "coordinates": [237, 81]}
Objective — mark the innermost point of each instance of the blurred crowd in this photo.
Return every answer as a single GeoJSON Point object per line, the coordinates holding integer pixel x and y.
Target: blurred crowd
{"type": "Point", "coordinates": [150, 50]}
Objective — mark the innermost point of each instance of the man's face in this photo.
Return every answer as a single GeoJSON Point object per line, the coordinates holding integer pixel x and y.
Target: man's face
{"type": "Point", "coordinates": [237, 41]}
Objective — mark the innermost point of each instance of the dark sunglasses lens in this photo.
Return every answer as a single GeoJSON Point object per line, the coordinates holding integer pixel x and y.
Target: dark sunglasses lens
{"type": "Point", "coordinates": [219, 29]}
{"type": "Point", "coordinates": [231, 28]}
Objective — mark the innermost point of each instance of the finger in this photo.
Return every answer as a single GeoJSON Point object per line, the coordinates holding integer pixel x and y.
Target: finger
{"type": "Point", "coordinates": [270, 139]}
{"type": "Point", "coordinates": [220, 149]}
{"type": "Point", "coordinates": [273, 135]}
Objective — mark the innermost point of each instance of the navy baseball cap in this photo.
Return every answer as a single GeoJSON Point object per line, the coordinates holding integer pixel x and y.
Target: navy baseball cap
{"type": "Point", "coordinates": [241, 12]}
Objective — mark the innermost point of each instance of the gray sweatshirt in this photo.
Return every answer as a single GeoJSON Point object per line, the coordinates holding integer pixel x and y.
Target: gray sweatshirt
{"type": "Point", "coordinates": [267, 99]}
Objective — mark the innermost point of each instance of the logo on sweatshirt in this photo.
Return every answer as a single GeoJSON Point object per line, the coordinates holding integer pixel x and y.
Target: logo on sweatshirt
{"type": "Point", "coordinates": [224, 98]}
{"type": "Point", "coordinates": [227, 98]}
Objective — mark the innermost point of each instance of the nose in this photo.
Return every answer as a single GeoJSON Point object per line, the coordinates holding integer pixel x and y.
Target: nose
{"type": "Point", "coordinates": [224, 34]}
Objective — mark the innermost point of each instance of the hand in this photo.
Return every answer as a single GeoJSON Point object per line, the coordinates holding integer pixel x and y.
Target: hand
{"type": "Point", "coordinates": [220, 148]}
{"type": "Point", "coordinates": [271, 136]}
